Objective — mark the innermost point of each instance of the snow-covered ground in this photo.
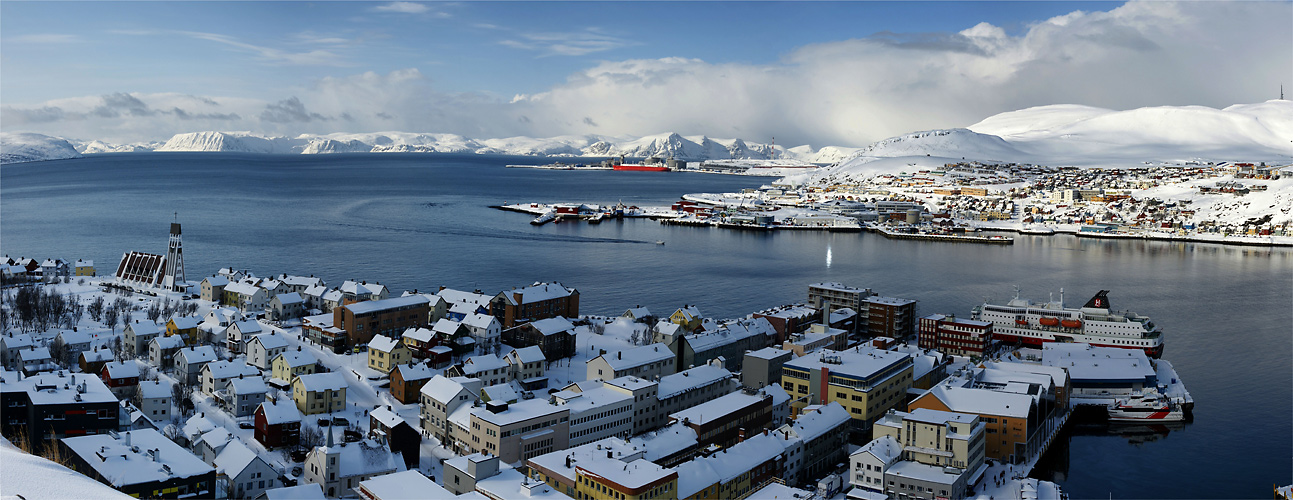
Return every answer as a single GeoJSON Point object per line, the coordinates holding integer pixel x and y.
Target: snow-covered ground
{"type": "Point", "coordinates": [22, 147]}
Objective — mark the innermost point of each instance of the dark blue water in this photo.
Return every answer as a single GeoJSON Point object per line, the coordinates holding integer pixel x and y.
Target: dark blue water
{"type": "Point", "coordinates": [421, 221]}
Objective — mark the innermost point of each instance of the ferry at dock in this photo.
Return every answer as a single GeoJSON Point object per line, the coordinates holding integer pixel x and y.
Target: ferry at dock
{"type": "Point", "coordinates": [1147, 407]}
{"type": "Point", "coordinates": [1022, 321]}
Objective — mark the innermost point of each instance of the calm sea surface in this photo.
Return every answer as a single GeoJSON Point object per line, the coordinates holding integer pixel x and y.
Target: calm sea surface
{"type": "Point", "coordinates": [422, 221]}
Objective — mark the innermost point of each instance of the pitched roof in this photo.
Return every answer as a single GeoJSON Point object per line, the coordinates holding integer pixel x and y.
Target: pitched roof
{"type": "Point", "coordinates": [155, 389]}
{"type": "Point", "coordinates": [248, 385]}
{"type": "Point", "coordinates": [122, 369]}
{"type": "Point", "coordinates": [552, 325]}
{"type": "Point", "coordinates": [280, 412]}
{"type": "Point", "coordinates": [418, 334]}
{"type": "Point", "coordinates": [323, 381]}
{"type": "Point", "coordinates": [415, 371]}
{"type": "Point", "coordinates": [289, 298]}
{"type": "Point", "coordinates": [296, 358]}
{"type": "Point", "coordinates": [145, 328]}
{"type": "Point", "coordinates": [247, 327]}
{"type": "Point", "coordinates": [538, 292]}
{"type": "Point", "coordinates": [383, 343]}
{"type": "Point", "coordinates": [229, 369]}
{"type": "Point", "coordinates": [234, 458]}
{"type": "Point", "coordinates": [243, 288]}
{"type": "Point", "coordinates": [124, 466]}
{"type": "Point", "coordinates": [385, 304]}
{"type": "Point", "coordinates": [307, 491]}
{"type": "Point", "coordinates": [446, 326]}
{"type": "Point", "coordinates": [637, 356]}
{"type": "Point", "coordinates": [477, 364]}
{"type": "Point", "coordinates": [441, 388]}
{"type": "Point", "coordinates": [199, 354]}
{"type": "Point", "coordinates": [529, 354]}
{"type": "Point", "coordinates": [884, 448]}
{"type": "Point", "coordinates": [184, 322]}
{"type": "Point", "coordinates": [477, 320]}
{"type": "Point", "coordinates": [171, 342]}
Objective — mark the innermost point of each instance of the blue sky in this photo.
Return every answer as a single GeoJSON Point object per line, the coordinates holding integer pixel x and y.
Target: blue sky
{"type": "Point", "coordinates": [356, 66]}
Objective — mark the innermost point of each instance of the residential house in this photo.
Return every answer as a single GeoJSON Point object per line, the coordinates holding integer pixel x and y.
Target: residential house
{"type": "Point", "coordinates": [486, 329]}
{"type": "Point", "coordinates": [249, 475]}
{"type": "Point", "coordinates": [362, 290]}
{"type": "Point", "coordinates": [154, 400]}
{"type": "Point", "coordinates": [240, 333]}
{"type": "Point", "coordinates": [319, 393]}
{"type": "Point", "coordinates": [407, 381]}
{"type": "Point", "coordinates": [143, 463]}
{"type": "Point", "coordinates": [136, 336]}
{"type": "Point", "coordinates": [288, 365]}
{"type": "Point", "coordinates": [36, 359]}
{"type": "Point", "coordinates": [215, 375]}
{"type": "Point", "coordinates": [420, 341]}
{"type": "Point", "coordinates": [638, 313]}
{"type": "Point", "coordinates": [535, 302]}
{"type": "Point", "coordinates": [555, 336]}
{"type": "Point", "coordinates": [243, 395]}
{"type": "Point", "coordinates": [213, 289]}
{"type": "Point", "coordinates": [162, 350]}
{"type": "Point", "coordinates": [11, 345]}
{"type": "Point", "coordinates": [339, 468]}
{"type": "Point", "coordinates": [263, 348]}
{"type": "Point", "coordinates": [313, 297]}
{"type": "Point", "coordinates": [385, 426]}
{"type": "Point", "coordinates": [687, 317]}
{"type": "Point", "coordinates": [454, 334]}
{"type": "Point", "coordinates": [84, 267]}
{"type": "Point", "coordinates": [384, 353]}
{"type": "Point", "coordinates": [185, 327]}
{"type": "Point", "coordinates": [286, 306]}
{"type": "Point", "coordinates": [74, 342]}
{"type": "Point", "coordinates": [319, 330]}
{"type": "Point", "coordinates": [442, 396]}
{"type": "Point", "coordinates": [189, 362]}
{"type": "Point", "coordinates": [527, 366]}
{"type": "Point", "coordinates": [122, 377]}
{"type": "Point", "coordinates": [278, 423]}
{"type": "Point", "coordinates": [488, 368]}
{"type": "Point", "coordinates": [868, 464]}
{"type": "Point", "coordinates": [247, 297]}
{"type": "Point", "coordinates": [93, 361]}
{"type": "Point", "coordinates": [298, 284]}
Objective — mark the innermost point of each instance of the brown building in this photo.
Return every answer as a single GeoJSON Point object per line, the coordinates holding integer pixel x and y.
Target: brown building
{"type": "Point", "coordinates": [389, 317]}
{"type": "Point", "coordinates": [890, 317]}
{"type": "Point", "coordinates": [278, 423]}
{"type": "Point", "coordinates": [407, 381]}
{"type": "Point", "coordinates": [554, 336]}
{"type": "Point", "coordinates": [951, 335]}
{"type": "Point", "coordinates": [535, 302]}
{"type": "Point", "coordinates": [727, 420]}
{"type": "Point", "coordinates": [789, 319]}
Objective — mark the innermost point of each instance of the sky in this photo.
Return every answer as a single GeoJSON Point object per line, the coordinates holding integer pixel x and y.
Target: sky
{"type": "Point", "coordinates": [818, 73]}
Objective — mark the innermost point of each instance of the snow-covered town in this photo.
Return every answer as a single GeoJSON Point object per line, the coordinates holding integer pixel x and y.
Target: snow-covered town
{"type": "Point", "coordinates": [287, 386]}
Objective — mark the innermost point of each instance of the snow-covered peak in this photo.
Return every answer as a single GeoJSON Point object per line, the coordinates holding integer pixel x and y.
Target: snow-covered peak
{"type": "Point", "coordinates": [242, 142]}
{"type": "Point", "coordinates": [24, 147]}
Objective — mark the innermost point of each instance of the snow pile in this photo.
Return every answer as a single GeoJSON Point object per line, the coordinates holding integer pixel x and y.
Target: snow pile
{"type": "Point", "coordinates": [29, 476]}
{"type": "Point", "coordinates": [24, 147]}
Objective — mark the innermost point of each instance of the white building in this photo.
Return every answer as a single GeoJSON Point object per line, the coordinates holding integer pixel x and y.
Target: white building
{"type": "Point", "coordinates": [263, 348]}
{"type": "Point", "coordinates": [249, 475]}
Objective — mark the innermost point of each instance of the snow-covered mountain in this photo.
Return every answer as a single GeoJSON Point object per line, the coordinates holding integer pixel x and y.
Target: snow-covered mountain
{"type": "Point", "coordinates": [239, 142]}
{"type": "Point", "coordinates": [24, 147]}
{"type": "Point", "coordinates": [96, 147]}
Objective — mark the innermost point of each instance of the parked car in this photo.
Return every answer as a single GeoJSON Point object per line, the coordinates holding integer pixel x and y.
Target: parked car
{"type": "Point", "coordinates": [324, 422]}
{"type": "Point", "coordinates": [246, 425]}
{"type": "Point", "coordinates": [340, 421]}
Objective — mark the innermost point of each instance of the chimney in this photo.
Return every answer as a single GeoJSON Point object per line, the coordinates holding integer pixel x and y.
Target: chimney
{"type": "Point", "coordinates": [609, 454]}
{"type": "Point", "coordinates": [619, 355]}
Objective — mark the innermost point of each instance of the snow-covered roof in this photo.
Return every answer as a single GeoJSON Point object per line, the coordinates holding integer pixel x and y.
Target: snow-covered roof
{"type": "Point", "coordinates": [1058, 375]}
{"type": "Point", "coordinates": [122, 369]}
{"type": "Point", "coordinates": [982, 401]}
{"type": "Point", "coordinates": [315, 291]}
{"type": "Point", "coordinates": [811, 425]}
{"type": "Point", "coordinates": [462, 463]}
{"type": "Point", "coordinates": [199, 354]}
{"type": "Point", "coordinates": [75, 337]}
{"type": "Point", "coordinates": [248, 385]}
{"type": "Point", "coordinates": [637, 312]}
{"type": "Point", "coordinates": [633, 475]}
{"type": "Point", "coordinates": [727, 464]}
{"type": "Point", "coordinates": [835, 286]}
{"type": "Point", "coordinates": [184, 322]}
{"type": "Point", "coordinates": [386, 417]}
{"type": "Point", "coordinates": [97, 355]}
{"type": "Point", "coordinates": [84, 263]}
{"type": "Point", "coordinates": [34, 354]}
{"type": "Point", "coordinates": [216, 280]}
{"type": "Point", "coordinates": [525, 409]}
{"type": "Point", "coordinates": [289, 298]}
{"type": "Point", "coordinates": [362, 458]}
{"type": "Point", "coordinates": [506, 391]}
{"type": "Point", "coordinates": [36, 477]}
{"type": "Point", "coordinates": [333, 296]}
{"type": "Point", "coordinates": [234, 458]}
{"type": "Point", "coordinates": [538, 292]}
{"type": "Point", "coordinates": [441, 388]}
{"type": "Point", "coordinates": [767, 353]}
{"type": "Point", "coordinates": [382, 343]}
{"type": "Point", "coordinates": [446, 326]}
{"type": "Point", "coordinates": [280, 412]}
{"type": "Point", "coordinates": [315, 382]}
{"type": "Point", "coordinates": [477, 320]}
{"type": "Point", "coordinates": [17, 341]}
{"type": "Point", "coordinates": [229, 369]}
{"type": "Point", "coordinates": [460, 297]}
{"type": "Point", "coordinates": [637, 356]}
{"type": "Point", "coordinates": [860, 361]}
{"type": "Point", "coordinates": [700, 376]}
{"type": "Point", "coordinates": [717, 408]}
{"type": "Point", "coordinates": [406, 484]}
{"type": "Point", "coordinates": [418, 334]}
{"type": "Point", "coordinates": [415, 371]}
{"type": "Point", "coordinates": [789, 311]}
{"type": "Point", "coordinates": [302, 281]}
{"type": "Point", "coordinates": [306, 491]}
{"type": "Point", "coordinates": [145, 328]}
{"type": "Point", "coordinates": [590, 399]}
{"type": "Point", "coordinates": [370, 306]}
{"type": "Point", "coordinates": [196, 426]}
{"type": "Point", "coordinates": [511, 484]}
{"type": "Point", "coordinates": [529, 354]}
{"type": "Point", "coordinates": [551, 326]}
{"type": "Point", "coordinates": [1090, 363]}
{"type": "Point", "coordinates": [153, 389]}
{"type": "Point", "coordinates": [247, 327]}
{"type": "Point", "coordinates": [119, 465]}
{"type": "Point", "coordinates": [922, 472]}
{"type": "Point", "coordinates": [667, 441]}
{"type": "Point", "coordinates": [58, 387]}
{"type": "Point", "coordinates": [171, 342]}
{"type": "Point", "coordinates": [888, 301]}
{"type": "Point", "coordinates": [297, 358]}
{"type": "Point", "coordinates": [477, 364]}
{"type": "Point", "coordinates": [884, 448]}
{"type": "Point", "coordinates": [729, 333]}
{"type": "Point", "coordinates": [242, 288]}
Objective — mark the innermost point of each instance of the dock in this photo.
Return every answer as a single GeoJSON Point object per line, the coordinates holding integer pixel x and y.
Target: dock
{"type": "Point", "coordinates": [994, 240]}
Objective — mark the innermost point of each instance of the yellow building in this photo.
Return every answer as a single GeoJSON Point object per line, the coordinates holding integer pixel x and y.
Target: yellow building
{"type": "Point", "coordinates": [84, 268]}
{"type": "Point", "coordinates": [637, 480]}
{"type": "Point", "coordinates": [865, 381]}
{"type": "Point", "coordinates": [319, 393]}
{"type": "Point", "coordinates": [384, 354]}
{"type": "Point", "coordinates": [291, 364]}
{"type": "Point", "coordinates": [184, 326]}
{"type": "Point", "coordinates": [687, 317]}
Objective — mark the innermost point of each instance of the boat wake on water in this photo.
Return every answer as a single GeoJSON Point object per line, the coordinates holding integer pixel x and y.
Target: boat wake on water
{"type": "Point", "coordinates": [498, 234]}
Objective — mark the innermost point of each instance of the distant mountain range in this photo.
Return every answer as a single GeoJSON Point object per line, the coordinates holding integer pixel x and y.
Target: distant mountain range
{"type": "Point", "coordinates": [1056, 135]}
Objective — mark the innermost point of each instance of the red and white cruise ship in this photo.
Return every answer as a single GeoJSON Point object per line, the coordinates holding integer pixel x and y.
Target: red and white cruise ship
{"type": "Point", "coordinates": [1032, 324]}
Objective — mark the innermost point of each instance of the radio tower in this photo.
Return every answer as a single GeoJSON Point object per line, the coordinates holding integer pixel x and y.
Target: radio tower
{"type": "Point", "coordinates": [173, 280]}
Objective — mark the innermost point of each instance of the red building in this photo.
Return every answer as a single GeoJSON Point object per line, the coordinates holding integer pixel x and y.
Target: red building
{"type": "Point", "coordinates": [950, 335]}
{"type": "Point", "coordinates": [535, 302]}
{"type": "Point", "coordinates": [278, 424]}
{"type": "Point", "coordinates": [122, 377]}
{"type": "Point", "coordinates": [407, 381]}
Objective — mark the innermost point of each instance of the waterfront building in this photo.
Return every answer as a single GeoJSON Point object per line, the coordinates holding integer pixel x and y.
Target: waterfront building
{"type": "Point", "coordinates": [890, 317]}
{"type": "Point", "coordinates": [865, 381]}
{"type": "Point", "coordinates": [687, 317]}
{"type": "Point", "coordinates": [955, 336]}
{"type": "Point", "coordinates": [389, 317]}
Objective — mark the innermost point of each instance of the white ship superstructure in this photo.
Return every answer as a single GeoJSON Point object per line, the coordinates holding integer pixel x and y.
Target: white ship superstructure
{"type": "Point", "coordinates": [1022, 321]}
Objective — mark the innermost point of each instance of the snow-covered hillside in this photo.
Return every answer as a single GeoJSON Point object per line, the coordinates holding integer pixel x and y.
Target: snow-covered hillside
{"type": "Point", "coordinates": [239, 142]}
{"type": "Point", "coordinates": [96, 147]}
{"type": "Point", "coordinates": [24, 147]}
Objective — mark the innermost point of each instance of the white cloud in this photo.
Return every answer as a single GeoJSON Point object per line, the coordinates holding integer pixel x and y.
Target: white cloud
{"type": "Point", "coordinates": [847, 93]}
{"type": "Point", "coordinates": [404, 8]}
{"type": "Point", "coordinates": [567, 44]}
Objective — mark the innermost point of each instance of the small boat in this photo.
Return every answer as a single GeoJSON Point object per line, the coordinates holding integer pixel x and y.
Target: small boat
{"type": "Point", "coordinates": [659, 242]}
{"type": "Point", "coordinates": [596, 218]}
{"type": "Point", "coordinates": [545, 218]}
{"type": "Point", "coordinates": [1071, 323]}
{"type": "Point", "coordinates": [1150, 406]}
{"type": "Point", "coordinates": [1048, 321]}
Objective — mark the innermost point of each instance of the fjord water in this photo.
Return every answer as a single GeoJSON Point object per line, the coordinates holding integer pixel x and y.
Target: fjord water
{"type": "Point", "coordinates": [421, 221]}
